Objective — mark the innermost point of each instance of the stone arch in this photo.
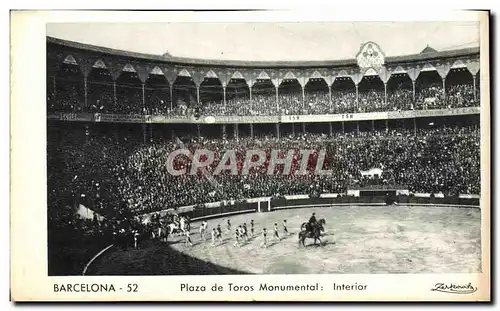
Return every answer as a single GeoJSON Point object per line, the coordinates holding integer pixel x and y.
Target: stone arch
{"type": "Point", "coordinates": [157, 71]}
{"type": "Point", "coordinates": [70, 59]}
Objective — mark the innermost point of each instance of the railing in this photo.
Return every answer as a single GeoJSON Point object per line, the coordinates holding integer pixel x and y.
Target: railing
{"type": "Point", "coordinates": [267, 204]}
{"type": "Point", "coordinates": [137, 118]}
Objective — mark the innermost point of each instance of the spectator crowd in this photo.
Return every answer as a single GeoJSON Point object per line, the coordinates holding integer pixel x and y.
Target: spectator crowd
{"type": "Point", "coordinates": [68, 96]}
{"type": "Point", "coordinates": [116, 175]}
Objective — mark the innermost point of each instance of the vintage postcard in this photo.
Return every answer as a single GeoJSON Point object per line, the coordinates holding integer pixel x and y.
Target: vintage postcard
{"type": "Point", "coordinates": [250, 156]}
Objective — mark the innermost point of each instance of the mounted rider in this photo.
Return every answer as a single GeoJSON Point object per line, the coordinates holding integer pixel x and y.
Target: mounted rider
{"type": "Point", "coordinates": [312, 221]}
{"type": "Point", "coordinates": [176, 219]}
{"type": "Point", "coordinates": [182, 223]}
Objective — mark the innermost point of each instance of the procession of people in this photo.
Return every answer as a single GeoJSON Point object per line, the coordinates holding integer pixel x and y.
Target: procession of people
{"type": "Point", "coordinates": [132, 233]}
{"type": "Point", "coordinates": [241, 234]}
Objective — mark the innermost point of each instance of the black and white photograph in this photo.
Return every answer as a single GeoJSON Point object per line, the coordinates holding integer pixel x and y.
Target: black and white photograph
{"type": "Point", "coordinates": [266, 148]}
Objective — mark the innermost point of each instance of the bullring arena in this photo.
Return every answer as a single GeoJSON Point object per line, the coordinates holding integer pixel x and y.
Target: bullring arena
{"type": "Point", "coordinates": [392, 161]}
{"type": "Point", "coordinates": [358, 239]}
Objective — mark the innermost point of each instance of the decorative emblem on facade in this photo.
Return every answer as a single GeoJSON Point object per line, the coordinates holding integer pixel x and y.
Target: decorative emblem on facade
{"type": "Point", "coordinates": [370, 56]}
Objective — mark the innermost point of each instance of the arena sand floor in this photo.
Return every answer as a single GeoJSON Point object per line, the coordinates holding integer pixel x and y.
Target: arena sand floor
{"type": "Point", "coordinates": [399, 239]}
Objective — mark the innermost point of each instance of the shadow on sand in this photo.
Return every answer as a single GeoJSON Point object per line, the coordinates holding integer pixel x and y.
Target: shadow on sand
{"type": "Point", "coordinates": [154, 258]}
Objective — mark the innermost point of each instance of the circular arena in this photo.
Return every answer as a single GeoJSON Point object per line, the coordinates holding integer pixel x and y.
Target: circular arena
{"type": "Point", "coordinates": [384, 146]}
{"type": "Point", "coordinates": [358, 239]}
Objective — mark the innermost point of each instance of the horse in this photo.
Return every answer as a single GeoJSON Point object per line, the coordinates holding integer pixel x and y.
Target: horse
{"type": "Point", "coordinates": [122, 238]}
{"type": "Point", "coordinates": [162, 233]}
{"type": "Point", "coordinates": [175, 228]}
{"type": "Point", "coordinates": [158, 231]}
{"type": "Point", "coordinates": [315, 233]}
{"type": "Point", "coordinates": [187, 223]}
{"type": "Point", "coordinates": [321, 222]}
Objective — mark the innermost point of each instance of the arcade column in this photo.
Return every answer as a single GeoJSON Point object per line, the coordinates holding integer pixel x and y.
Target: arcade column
{"type": "Point", "coordinates": [170, 86]}
{"type": "Point", "coordinates": [224, 136]}
{"type": "Point", "coordinates": [385, 92]}
{"type": "Point", "coordinates": [85, 90]}
{"type": "Point", "coordinates": [357, 98]}
{"type": "Point", "coordinates": [303, 98]}
{"type": "Point", "coordinates": [114, 93]}
{"type": "Point", "coordinates": [413, 83]}
{"type": "Point", "coordinates": [143, 99]}
{"type": "Point", "coordinates": [198, 94]}
{"type": "Point", "coordinates": [444, 88]}
{"type": "Point", "coordinates": [330, 95]}
{"type": "Point", "coordinates": [224, 93]}
{"type": "Point", "coordinates": [144, 133]}
{"type": "Point", "coordinates": [87, 133]}
{"type": "Point", "coordinates": [277, 99]}
{"type": "Point", "coordinates": [54, 89]}
{"type": "Point", "coordinates": [474, 85]}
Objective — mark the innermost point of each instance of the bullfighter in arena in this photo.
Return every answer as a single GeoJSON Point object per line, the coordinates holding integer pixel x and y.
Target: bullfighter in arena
{"type": "Point", "coordinates": [264, 238]}
{"type": "Point", "coordinates": [285, 228]}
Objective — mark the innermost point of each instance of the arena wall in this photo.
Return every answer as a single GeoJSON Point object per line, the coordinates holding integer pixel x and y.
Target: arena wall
{"type": "Point", "coordinates": [266, 205]}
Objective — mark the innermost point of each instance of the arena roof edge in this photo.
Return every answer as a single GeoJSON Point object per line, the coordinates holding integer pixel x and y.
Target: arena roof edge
{"type": "Point", "coordinates": [257, 64]}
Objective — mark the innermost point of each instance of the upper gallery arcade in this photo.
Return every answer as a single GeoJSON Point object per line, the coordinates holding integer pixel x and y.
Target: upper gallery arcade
{"type": "Point", "coordinates": [370, 61]}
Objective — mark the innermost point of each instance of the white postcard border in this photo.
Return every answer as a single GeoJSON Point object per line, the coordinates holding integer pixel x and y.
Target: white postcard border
{"type": "Point", "coordinates": [29, 280]}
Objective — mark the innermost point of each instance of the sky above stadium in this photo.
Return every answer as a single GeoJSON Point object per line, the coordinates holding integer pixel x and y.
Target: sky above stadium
{"type": "Point", "coordinates": [271, 41]}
